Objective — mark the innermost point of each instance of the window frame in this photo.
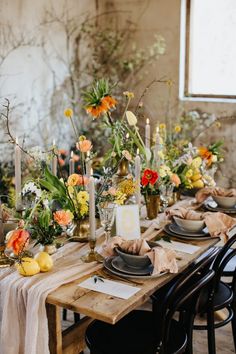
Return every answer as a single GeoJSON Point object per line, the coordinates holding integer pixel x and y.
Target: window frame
{"type": "Point", "coordinates": [184, 62]}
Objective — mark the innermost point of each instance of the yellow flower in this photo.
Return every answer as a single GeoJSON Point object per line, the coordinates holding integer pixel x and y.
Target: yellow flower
{"type": "Point", "coordinates": [120, 198]}
{"type": "Point", "coordinates": [128, 94]}
{"type": "Point", "coordinates": [128, 187]}
{"type": "Point", "coordinates": [178, 129]}
{"type": "Point", "coordinates": [82, 197]}
{"type": "Point", "coordinates": [162, 172]}
{"type": "Point", "coordinates": [196, 163]}
{"type": "Point", "coordinates": [84, 209]}
{"type": "Point", "coordinates": [68, 113]}
{"type": "Point", "coordinates": [218, 124]}
{"type": "Point", "coordinates": [189, 173]}
{"type": "Point", "coordinates": [162, 126]}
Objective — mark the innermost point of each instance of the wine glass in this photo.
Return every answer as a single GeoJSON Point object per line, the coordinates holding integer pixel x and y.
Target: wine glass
{"type": "Point", "coordinates": [107, 217]}
{"type": "Point", "coordinates": [166, 191]}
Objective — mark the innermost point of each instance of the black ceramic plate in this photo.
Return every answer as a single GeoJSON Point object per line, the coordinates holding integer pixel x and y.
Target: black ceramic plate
{"type": "Point", "coordinates": [108, 265]}
{"type": "Point", "coordinates": [213, 206]}
{"type": "Point", "coordinates": [177, 230]}
{"type": "Point", "coordinates": [183, 237]}
{"type": "Point", "coordinates": [121, 266]}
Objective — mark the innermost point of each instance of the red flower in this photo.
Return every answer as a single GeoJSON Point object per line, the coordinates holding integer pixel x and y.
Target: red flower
{"type": "Point", "coordinates": [149, 176]}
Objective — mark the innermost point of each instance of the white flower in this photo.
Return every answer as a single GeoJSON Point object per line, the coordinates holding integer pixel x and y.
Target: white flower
{"type": "Point", "coordinates": [131, 118]}
{"type": "Point", "coordinates": [214, 158]}
{"type": "Point", "coordinates": [127, 155]}
{"type": "Point", "coordinates": [31, 188]}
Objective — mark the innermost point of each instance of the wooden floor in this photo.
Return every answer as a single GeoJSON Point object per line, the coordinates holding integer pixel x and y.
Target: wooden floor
{"type": "Point", "coordinates": [224, 340]}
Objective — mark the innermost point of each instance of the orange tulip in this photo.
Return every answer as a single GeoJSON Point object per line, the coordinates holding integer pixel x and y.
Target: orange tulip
{"type": "Point", "coordinates": [84, 145]}
{"type": "Point", "coordinates": [18, 240]}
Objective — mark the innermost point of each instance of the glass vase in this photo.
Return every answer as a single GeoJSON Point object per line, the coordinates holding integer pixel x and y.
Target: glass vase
{"type": "Point", "coordinates": [152, 205]}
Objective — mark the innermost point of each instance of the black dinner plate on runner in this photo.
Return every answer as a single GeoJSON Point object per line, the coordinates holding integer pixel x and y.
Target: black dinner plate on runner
{"type": "Point", "coordinates": [213, 206]}
{"type": "Point", "coordinates": [177, 230]}
{"type": "Point", "coordinates": [183, 237]}
{"type": "Point", "coordinates": [121, 266]}
{"type": "Point", "coordinates": [108, 265]}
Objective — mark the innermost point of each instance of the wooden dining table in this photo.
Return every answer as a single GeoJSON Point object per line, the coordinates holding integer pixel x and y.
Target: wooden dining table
{"type": "Point", "coordinates": [95, 305]}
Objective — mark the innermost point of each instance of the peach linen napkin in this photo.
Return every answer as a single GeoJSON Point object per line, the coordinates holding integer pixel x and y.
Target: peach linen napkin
{"type": "Point", "coordinates": [162, 259]}
{"type": "Point", "coordinates": [204, 193]}
{"type": "Point", "coordinates": [218, 224]}
{"type": "Point", "coordinates": [24, 328]}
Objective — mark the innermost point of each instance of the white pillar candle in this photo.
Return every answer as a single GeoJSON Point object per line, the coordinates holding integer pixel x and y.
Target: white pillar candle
{"type": "Point", "coordinates": [147, 134]}
{"type": "Point", "coordinates": [54, 160]}
{"type": "Point", "coordinates": [71, 164]}
{"type": "Point", "coordinates": [92, 221]}
{"type": "Point", "coordinates": [1, 226]}
{"type": "Point", "coordinates": [137, 163]}
{"type": "Point", "coordinates": [18, 176]}
{"type": "Point", "coordinates": [88, 165]}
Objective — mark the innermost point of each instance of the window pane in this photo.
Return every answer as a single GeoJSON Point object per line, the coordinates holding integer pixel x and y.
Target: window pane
{"type": "Point", "coordinates": [212, 52]}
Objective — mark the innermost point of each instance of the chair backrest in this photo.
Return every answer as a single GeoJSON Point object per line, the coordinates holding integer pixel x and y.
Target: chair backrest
{"type": "Point", "coordinates": [183, 288]}
{"type": "Point", "coordinates": [221, 255]}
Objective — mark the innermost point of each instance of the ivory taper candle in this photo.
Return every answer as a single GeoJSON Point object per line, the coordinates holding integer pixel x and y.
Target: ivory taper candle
{"type": "Point", "coordinates": [147, 134]}
{"type": "Point", "coordinates": [92, 220]}
{"type": "Point", "coordinates": [1, 226]}
{"type": "Point", "coordinates": [137, 164]}
{"type": "Point", "coordinates": [18, 175]}
{"type": "Point", "coordinates": [88, 165]}
{"type": "Point", "coordinates": [71, 163]}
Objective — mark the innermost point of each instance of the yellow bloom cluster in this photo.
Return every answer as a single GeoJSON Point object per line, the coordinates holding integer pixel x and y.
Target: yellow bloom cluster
{"type": "Point", "coordinates": [128, 187]}
{"type": "Point", "coordinates": [193, 176]}
{"type": "Point", "coordinates": [119, 197]}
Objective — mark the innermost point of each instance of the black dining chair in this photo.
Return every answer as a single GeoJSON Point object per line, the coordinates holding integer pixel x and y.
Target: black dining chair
{"type": "Point", "coordinates": [149, 332]}
{"type": "Point", "coordinates": [218, 296]}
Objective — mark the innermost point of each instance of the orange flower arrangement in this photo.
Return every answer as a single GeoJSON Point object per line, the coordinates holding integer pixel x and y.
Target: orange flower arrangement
{"type": "Point", "coordinates": [206, 155]}
{"type": "Point", "coordinates": [18, 240]}
{"type": "Point", "coordinates": [63, 217]}
{"type": "Point", "coordinates": [104, 105]}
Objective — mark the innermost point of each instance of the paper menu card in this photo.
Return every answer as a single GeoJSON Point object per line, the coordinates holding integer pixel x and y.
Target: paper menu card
{"type": "Point", "coordinates": [127, 222]}
{"type": "Point", "coordinates": [179, 246]}
{"type": "Point", "coordinates": [110, 287]}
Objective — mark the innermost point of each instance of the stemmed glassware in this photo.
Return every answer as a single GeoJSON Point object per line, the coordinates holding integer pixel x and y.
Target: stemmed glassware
{"type": "Point", "coordinates": [166, 191]}
{"type": "Point", "coordinates": [107, 217]}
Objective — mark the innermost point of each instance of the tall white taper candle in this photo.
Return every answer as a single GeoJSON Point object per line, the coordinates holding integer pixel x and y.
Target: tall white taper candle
{"type": "Point", "coordinates": [147, 134]}
{"type": "Point", "coordinates": [137, 163]}
{"type": "Point", "coordinates": [88, 165]}
{"type": "Point", "coordinates": [71, 164]}
{"type": "Point", "coordinates": [92, 221]}
{"type": "Point", "coordinates": [18, 176]}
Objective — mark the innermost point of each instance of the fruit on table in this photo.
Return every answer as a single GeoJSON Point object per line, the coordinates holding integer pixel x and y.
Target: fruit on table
{"type": "Point", "coordinates": [28, 266]}
{"type": "Point", "coordinates": [44, 260]}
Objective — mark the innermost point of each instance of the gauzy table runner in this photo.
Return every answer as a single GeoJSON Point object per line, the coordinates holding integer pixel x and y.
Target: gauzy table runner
{"type": "Point", "coordinates": [24, 327]}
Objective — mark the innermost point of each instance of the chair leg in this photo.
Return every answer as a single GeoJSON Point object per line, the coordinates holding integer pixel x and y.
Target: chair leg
{"type": "Point", "coordinates": [189, 321]}
{"type": "Point", "coordinates": [211, 333]}
{"type": "Point", "coordinates": [64, 314]}
{"type": "Point", "coordinates": [233, 324]}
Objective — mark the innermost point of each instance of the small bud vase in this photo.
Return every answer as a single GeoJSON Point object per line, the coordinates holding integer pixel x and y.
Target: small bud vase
{"type": "Point", "coordinates": [152, 205]}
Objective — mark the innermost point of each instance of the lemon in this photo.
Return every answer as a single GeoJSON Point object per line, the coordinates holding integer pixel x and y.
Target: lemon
{"type": "Point", "coordinates": [198, 184]}
{"type": "Point", "coordinates": [28, 267]}
{"type": "Point", "coordinates": [44, 260]}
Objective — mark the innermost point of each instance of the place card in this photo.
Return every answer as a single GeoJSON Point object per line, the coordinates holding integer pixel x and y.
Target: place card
{"type": "Point", "coordinates": [127, 222]}
{"type": "Point", "coordinates": [109, 287]}
{"type": "Point", "coordinates": [179, 246]}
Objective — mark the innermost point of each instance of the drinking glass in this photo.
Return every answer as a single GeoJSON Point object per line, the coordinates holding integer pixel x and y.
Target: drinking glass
{"type": "Point", "coordinates": [166, 191]}
{"type": "Point", "coordinates": [107, 217]}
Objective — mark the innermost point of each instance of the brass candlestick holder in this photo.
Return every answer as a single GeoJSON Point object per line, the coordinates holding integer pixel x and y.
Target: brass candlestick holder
{"type": "Point", "coordinates": [92, 255]}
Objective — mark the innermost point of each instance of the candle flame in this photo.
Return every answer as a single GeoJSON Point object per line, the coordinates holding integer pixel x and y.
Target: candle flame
{"type": "Point", "coordinates": [91, 172]}
{"type": "Point", "coordinates": [147, 121]}
{"type": "Point", "coordinates": [17, 140]}
{"type": "Point", "coordinates": [72, 154]}
{"type": "Point", "coordinates": [54, 142]}
{"type": "Point", "coordinates": [138, 151]}
{"type": "Point", "coordinates": [127, 136]}
{"type": "Point", "coordinates": [157, 129]}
